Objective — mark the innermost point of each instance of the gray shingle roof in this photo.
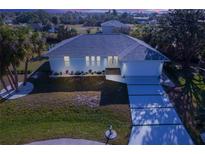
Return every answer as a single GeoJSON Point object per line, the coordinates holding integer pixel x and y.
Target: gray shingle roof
{"type": "Point", "coordinates": [114, 23]}
{"type": "Point", "coordinates": [124, 46]}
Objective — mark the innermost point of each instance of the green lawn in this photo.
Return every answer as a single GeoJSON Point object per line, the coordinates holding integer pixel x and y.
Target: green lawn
{"type": "Point", "coordinates": [33, 65]}
{"type": "Point", "coordinates": [61, 108]}
{"type": "Point", "coordinates": [44, 116]}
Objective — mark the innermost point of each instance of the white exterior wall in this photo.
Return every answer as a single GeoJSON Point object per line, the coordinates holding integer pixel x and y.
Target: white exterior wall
{"type": "Point", "coordinates": [142, 68]}
{"type": "Point", "coordinates": [137, 68]}
{"type": "Point", "coordinates": [107, 29]}
{"type": "Point", "coordinates": [77, 64]}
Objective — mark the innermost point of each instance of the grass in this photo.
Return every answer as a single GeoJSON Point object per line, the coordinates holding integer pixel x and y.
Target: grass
{"type": "Point", "coordinates": [111, 92]}
{"type": "Point", "coordinates": [52, 111]}
{"type": "Point", "coordinates": [33, 65]}
{"type": "Point", "coordinates": [83, 30]}
{"type": "Point", "coordinates": [37, 118]}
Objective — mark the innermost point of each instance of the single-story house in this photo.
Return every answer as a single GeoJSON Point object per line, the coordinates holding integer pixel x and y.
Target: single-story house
{"type": "Point", "coordinates": [99, 52]}
{"type": "Point", "coordinates": [114, 26]}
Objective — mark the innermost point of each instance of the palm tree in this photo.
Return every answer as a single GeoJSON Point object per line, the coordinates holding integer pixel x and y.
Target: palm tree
{"type": "Point", "coordinates": [25, 46]}
{"type": "Point", "coordinates": [30, 43]}
{"type": "Point", "coordinates": [38, 42]}
{"type": "Point", "coordinates": [4, 54]}
{"type": "Point", "coordinates": [10, 54]}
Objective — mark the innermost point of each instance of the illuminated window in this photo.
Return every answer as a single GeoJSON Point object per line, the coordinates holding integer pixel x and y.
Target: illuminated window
{"type": "Point", "coordinates": [98, 58]}
{"type": "Point", "coordinates": [112, 60]}
{"type": "Point", "coordinates": [92, 58]}
{"type": "Point", "coordinates": [115, 60]}
{"type": "Point", "coordinates": [92, 63]}
{"type": "Point", "coordinates": [87, 58]}
{"type": "Point", "coordinates": [109, 60]}
{"type": "Point", "coordinates": [67, 61]}
{"type": "Point", "coordinates": [66, 58]}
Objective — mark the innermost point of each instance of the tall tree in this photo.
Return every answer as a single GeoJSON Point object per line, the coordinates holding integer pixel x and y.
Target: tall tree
{"type": "Point", "coordinates": [185, 34]}
{"type": "Point", "coordinates": [66, 32]}
{"type": "Point", "coordinates": [2, 65]}
{"type": "Point", "coordinates": [39, 43]}
{"type": "Point", "coordinates": [55, 20]}
{"type": "Point", "coordinates": [30, 43]}
{"type": "Point", "coordinates": [180, 34]}
{"type": "Point", "coordinates": [10, 53]}
{"type": "Point", "coordinates": [26, 47]}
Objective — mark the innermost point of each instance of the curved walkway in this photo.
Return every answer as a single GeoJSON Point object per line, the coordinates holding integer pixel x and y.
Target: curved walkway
{"type": "Point", "coordinates": [66, 141]}
{"type": "Point", "coordinates": [12, 94]}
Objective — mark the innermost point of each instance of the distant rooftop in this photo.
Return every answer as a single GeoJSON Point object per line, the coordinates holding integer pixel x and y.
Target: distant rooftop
{"type": "Point", "coordinates": [113, 23]}
{"type": "Point", "coordinates": [124, 46]}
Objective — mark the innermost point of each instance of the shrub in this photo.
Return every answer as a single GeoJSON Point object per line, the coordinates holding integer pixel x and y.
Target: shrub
{"type": "Point", "coordinates": [22, 72]}
{"type": "Point", "coordinates": [77, 73]}
{"type": "Point", "coordinates": [90, 71]}
{"type": "Point", "coordinates": [56, 73]}
{"type": "Point", "coordinates": [18, 72]}
{"type": "Point", "coordinates": [99, 72]}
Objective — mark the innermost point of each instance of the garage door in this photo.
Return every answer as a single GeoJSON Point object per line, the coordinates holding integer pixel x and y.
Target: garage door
{"type": "Point", "coordinates": [142, 68]}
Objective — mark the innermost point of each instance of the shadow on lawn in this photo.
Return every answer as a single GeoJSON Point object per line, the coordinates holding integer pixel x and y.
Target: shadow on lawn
{"type": "Point", "coordinates": [189, 99]}
{"type": "Point", "coordinates": [111, 92]}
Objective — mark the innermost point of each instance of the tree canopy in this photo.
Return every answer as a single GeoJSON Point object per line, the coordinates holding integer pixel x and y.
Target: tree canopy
{"type": "Point", "coordinates": [16, 45]}
{"type": "Point", "coordinates": [180, 34]}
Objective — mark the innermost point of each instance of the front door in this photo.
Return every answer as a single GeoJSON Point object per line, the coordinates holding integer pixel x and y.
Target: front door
{"type": "Point", "coordinates": [112, 71]}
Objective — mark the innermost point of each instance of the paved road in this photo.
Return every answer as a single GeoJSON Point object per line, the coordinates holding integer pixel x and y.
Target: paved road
{"type": "Point", "coordinates": [66, 141]}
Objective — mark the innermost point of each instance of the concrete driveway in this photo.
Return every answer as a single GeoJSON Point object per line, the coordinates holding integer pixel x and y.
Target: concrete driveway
{"type": "Point", "coordinates": [154, 120]}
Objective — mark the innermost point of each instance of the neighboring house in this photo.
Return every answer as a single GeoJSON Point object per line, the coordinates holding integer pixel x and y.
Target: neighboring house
{"type": "Point", "coordinates": [8, 21]}
{"type": "Point", "coordinates": [98, 52]}
{"type": "Point", "coordinates": [37, 26]}
{"type": "Point", "coordinates": [53, 29]}
{"type": "Point", "coordinates": [142, 20]}
{"type": "Point", "coordinates": [114, 26]}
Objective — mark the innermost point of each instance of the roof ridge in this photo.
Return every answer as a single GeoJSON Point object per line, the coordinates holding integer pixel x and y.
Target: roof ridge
{"type": "Point", "coordinates": [127, 50]}
{"type": "Point", "coordinates": [115, 23]}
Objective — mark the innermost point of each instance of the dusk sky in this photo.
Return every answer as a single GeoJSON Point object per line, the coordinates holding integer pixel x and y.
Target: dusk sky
{"type": "Point", "coordinates": [87, 10]}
